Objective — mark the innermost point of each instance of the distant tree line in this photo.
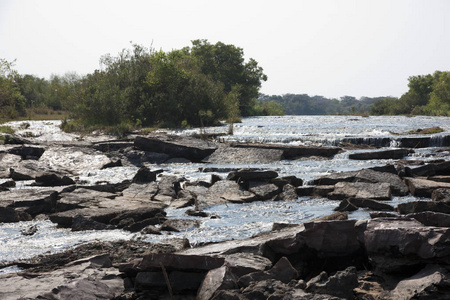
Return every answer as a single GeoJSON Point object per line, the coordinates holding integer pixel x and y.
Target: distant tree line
{"type": "Point", "coordinates": [302, 104]}
{"type": "Point", "coordinates": [194, 86]}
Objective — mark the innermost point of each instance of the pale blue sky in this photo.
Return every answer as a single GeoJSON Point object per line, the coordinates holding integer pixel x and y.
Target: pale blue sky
{"type": "Point", "coordinates": [319, 47]}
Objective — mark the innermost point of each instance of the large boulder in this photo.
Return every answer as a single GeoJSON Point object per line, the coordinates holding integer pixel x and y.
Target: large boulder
{"type": "Point", "coordinates": [395, 244]}
{"type": "Point", "coordinates": [190, 148]}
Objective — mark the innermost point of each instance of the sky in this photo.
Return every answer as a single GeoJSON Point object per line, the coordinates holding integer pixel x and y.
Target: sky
{"type": "Point", "coordinates": [331, 48]}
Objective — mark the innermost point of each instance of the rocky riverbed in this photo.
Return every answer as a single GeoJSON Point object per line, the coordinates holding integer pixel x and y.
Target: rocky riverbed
{"type": "Point", "coordinates": [400, 251]}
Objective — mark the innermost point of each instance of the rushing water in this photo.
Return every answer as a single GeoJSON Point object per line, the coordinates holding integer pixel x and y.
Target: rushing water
{"type": "Point", "coordinates": [235, 220]}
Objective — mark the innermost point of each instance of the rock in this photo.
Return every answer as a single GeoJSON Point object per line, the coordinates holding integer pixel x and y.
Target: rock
{"type": "Point", "coordinates": [432, 282]}
{"type": "Point", "coordinates": [190, 148]}
{"type": "Point", "coordinates": [243, 263]}
{"type": "Point", "coordinates": [429, 218]}
{"type": "Point", "coordinates": [6, 185]}
{"type": "Point", "coordinates": [420, 187]}
{"type": "Point", "coordinates": [345, 205]}
{"type": "Point", "coordinates": [114, 145]}
{"type": "Point", "coordinates": [383, 154]}
{"type": "Point", "coordinates": [337, 216]}
{"type": "Point", "coordinates": [282, 271]}
{"type": "Point", "coordinates": [282, 181]}
{"type": "Point", "coordinates": [144, 175]}
{"type": "Point", "coordinates": [108, 209]}
{"type": "Point", "coordinates": [28, 152]}
{"type": "Point", "coordinates": [263, 190]}
{"type": "Point", "coordinates": [196, 213]}
{"type": "Point", "coordinates": [397, 244]}
{"type": "Point", "coordinates": [322, 191]}
{"type": "Point", "coordinates": [372, 204]}
{"type": "Point", "coordinates": [217, 279]}
{"type": "Point", "coordinates": [179, 225]}
{"type": "Point", "coordinates": [31, 202]}
{"type": "Point", "coordinates": [52, 179]}
{"type": "Point", "coordinates": [421, 206]}
{"type": "Point", "coordinates": [29, 231]}
{"type": "Point", "coordinates": [179, 281]}
{"type": "Point", "coordinates": [340, 284]}
{"type": "Point", "coordinates": [334, 178]}
{"type": "Point", "coordinates": [379, 214]}
{"type": "Point", "coordinates": [74, 160]}
{"type": "Point", "coordinates": [80, 223]}
{"type": "Point", "coordinates": [10, 215]}
{"type": "Point", "coordinates": [150, 229]}
{"type": "Point", "coordinates": [441, 194]}
{"type": "Point", "coordinates": [138, 157]}
{"type": "Point", "coordinates": [440, 178]}
{"type": "Point", "coordinates": [81, 198]}
{"type": "Point", "coordinates": [252, 175]}
{"type": "Point", "coordinates": [82, 280]}
{"type": "Point", "coordinates": [143, 191]}
{"type": "Point", "coordinates": [234, 155]}
{"type": "Point", "coordinates": [361, 190]}
{"type": "Point", "coordinates": [295, 152]}
{"type": "Point", "coordinates": [288, 194]}
{"type": "Point", "coordinates": [179, 262]}
{"type": "Point", "coordinates": [331, 238]}
{"type": "Point", "coordinates": [302, 191]}
{"type": "Point", "coordinates": [117, 162]}
{"type": "Point", "coordinates": [267, 289]}
{"type": "Point", "coordinates": [221, 192]}
{"type": "Point", "coordinates": [398, 187]}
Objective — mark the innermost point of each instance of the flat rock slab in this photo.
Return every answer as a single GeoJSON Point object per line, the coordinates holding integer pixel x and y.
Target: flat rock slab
{"type": "Point", "coordinates": [224, 191]}
{"type": "Point", "coordinates": [74, 160]}
{"type": "Point", "coordinates": [421, 187]}
{"type": "Point", "coordinates": [361, 190]}
{"type": "Point", "coordinates": [422, 206]}
{"type": "Point", "coordinates": [176, 146]}
{"type": "Point", "coordinates": [81, 198]}
{"type": "Point", "coordinates": [77, 281]}
{"type": "Point", "coordinates": [172, 261]}
{"type": "Point", "coordinates": [398, 187]}
{"type": "Point", "coordinates": [232, 155]}
{"type": "Point", "coordinates": [106, 210]}
{"type": "Point", "coordinates": [385, 154]}
{"type": "Point", "coordinates": [30, 201]}
{"type": "Point", "coordinates": [294, 152]}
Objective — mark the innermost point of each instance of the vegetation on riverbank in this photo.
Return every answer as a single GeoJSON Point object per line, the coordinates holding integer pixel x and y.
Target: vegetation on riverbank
{"type": "Point", "coordinates": [193, 86]}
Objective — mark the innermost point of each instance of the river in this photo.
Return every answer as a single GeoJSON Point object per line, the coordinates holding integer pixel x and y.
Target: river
{"type": "Point", "coordinates": [236, 220]}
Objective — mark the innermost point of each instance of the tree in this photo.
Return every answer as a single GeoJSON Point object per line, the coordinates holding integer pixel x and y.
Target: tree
{"type": "Point", "coordinates": [225, 63]}
{"type": "Point", "coordinates": [12, 102]}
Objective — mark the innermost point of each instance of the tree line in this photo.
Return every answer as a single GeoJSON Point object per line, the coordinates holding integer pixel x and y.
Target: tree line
{"type": "Point", "coordinates": [193, 86]}
{"type": "Point", "coordinates": [198, 85]}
